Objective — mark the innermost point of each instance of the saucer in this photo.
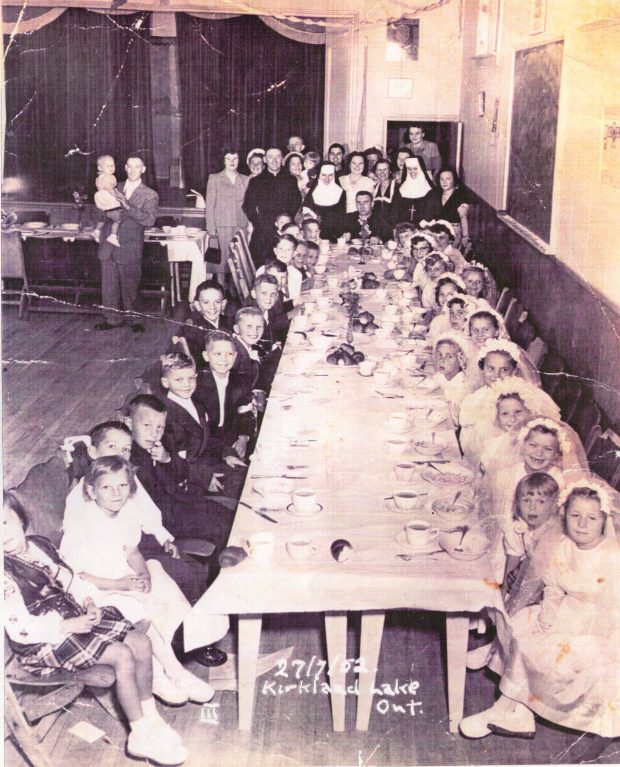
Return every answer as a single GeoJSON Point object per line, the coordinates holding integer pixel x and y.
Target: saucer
{"type": "Point", "coordinates": [291, 510]}
{"type": "Point", "coordinates": [431, 545]}
{"type": "Point", "coordinates": [391, 506]}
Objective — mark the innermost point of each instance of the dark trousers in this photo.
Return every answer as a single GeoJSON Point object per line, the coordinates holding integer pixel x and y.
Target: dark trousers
{"type": "Point", "coordinates": [188, 573]}
{"type": "Point", "coordinates": [120, 283]}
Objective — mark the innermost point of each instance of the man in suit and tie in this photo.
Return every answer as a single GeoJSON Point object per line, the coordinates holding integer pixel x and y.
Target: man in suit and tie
{"type": "Point", "coordinates": [121, 268]}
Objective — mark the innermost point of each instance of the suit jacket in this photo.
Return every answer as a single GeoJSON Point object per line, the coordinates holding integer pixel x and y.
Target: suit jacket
{"type": "Point", "coordinates": [164, 482]}
{"type": "Point", "coordinates": [196, 334]}
{"type": "Point", "coordinates": [245, 365]}
{"type": "Point", "coordinates": [238, 394]}
{"type": "Point", "coordinates": [224, 201]}
{"type": "Point", "coordinates": [141, 214]}
{"type": "Point", "coordinates": [377, 229]}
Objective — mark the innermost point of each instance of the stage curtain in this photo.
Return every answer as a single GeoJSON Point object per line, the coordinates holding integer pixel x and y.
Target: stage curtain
{"type": "Point", "coordinates": [246, 85]}
{"type": "Point", "coordinates": [75, 89]}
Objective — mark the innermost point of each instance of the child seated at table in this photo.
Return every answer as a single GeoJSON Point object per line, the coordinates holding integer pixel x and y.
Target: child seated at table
{"type": "Point", "coordinates": [299, 259]}
{"type": "Point", "coordinates": [164, 476]}
{"type": "Point", "coordinates": [53, 623]}
{"type": "Point", "coordinates": [480, 283]}
{"type": "Point", "coordinates": [448, 286]}
{"type": "Point", "coordinates": [248, 330]}
{"type": "Point", "coordinates": [208, 313]}
{"type": "Point", "coordinates": [212, 466]}
{"type": "Point", "coordinates": [264, 296]}
{"type": "Point", "coordinates": [421, 244]}
{"type": "Point", "coordinates": [281, 220]}
{"type": "Point", "coordinates": [311, 230]}
{"type": "Point", "coordinates": [282, 256]}
{"type": "Point", "coordinates": [226, 395]}
{"type": "Point", "coordinates": [292, 229]}
{"type": "Point", "coordinates": [451, 356]}
{"type": "Point", "coordinates": [484, 325]}
{"type": "Point", "coordinates": [101, 544]}
{"type": "Point", "coordinates": [445, 237]}
{"type": "Point", "coordinates": [105, 199]}
{"type": "Point", "coordinates": [114, 438]}
{"type": "Point", "coordinates": [435, 266]}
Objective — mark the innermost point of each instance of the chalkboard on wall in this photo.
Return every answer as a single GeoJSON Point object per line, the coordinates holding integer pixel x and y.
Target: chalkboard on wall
{"type": "Point", "coordinates": [533, 133]}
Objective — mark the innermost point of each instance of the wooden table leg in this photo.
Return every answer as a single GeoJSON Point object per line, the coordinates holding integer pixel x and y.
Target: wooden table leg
{"type": "Point", "coordinates": [370, 647]}
{"type": "Point", "coordinates": [336, 635]}
{"type": "Point", "coordinates": [457, 631]}
{"type": "Point", "coordinates": [248, 646]}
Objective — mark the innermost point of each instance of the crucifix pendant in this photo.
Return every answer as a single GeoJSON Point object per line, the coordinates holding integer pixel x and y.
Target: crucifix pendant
{"type": "Point", "coordinates": [412, 210]}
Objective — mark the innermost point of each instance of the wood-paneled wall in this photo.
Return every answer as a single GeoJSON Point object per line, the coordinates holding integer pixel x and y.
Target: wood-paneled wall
{"type": "Point", "coordinates": [570, 316]}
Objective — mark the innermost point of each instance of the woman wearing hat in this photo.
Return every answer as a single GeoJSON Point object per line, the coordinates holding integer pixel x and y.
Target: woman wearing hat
{"type": "Point", "coordinates": [225, 193]}
{"type": "Point", "coordinates": [411, 198]}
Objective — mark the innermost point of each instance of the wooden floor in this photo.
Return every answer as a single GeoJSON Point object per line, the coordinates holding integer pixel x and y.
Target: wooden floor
{"type": "Point", "coordinates": [61, 378]}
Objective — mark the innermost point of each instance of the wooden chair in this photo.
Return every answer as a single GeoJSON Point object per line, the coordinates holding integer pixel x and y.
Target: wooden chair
{"type": "Point", "coordinates": [537, 351]}
{"type": "Point", "coordinates": [32, 704]}
{"type": "Point", "coordinates": [16, 291]}
{"type": "Point", "coordinates": [604, 456]}
{"type": "Point", "coordinates": [157, 275]}
{"type": "Point", "coordinates": [514, 318]}
{"type": "Point", "coordinates": [505, 297]}
{"type": "Point", "coordinates": [567, 395]}
{"type": "Point", "coordinates": [524, 334]}
{"type": "Point", "coordinates": [586, 421]}
{"type": "Point", "coordinates": [239, 280]}
{"type": "Point", "coordinates": [245, 259]}
{"type": "Point", "coordinates": [551, 372]}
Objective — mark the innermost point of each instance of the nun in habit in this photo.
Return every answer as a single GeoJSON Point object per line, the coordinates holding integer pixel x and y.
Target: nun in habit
{"type": "Point", "coordinates": [328, 199]}
{"type": "Point", "coordinates": [412, 196]}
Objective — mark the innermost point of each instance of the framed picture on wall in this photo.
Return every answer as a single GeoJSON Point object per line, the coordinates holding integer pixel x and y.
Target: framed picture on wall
{"type": "Point", "coordinates": [538, 16]}
{"type": "Point", "coordinates": [487, 27]}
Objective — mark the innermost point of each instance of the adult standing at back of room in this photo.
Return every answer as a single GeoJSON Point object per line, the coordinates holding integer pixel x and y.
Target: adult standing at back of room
{"type": "Point", "coordinates": [413, 138]}
{"type": "Point", "coordinates": [121, 268]}
{"type": "Point", "coordinates": [272, 192]}
{"type": "Point", "coordinates": [224, 199]}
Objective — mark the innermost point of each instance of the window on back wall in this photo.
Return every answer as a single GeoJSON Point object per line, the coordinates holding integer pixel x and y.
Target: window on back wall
{"type": "Point", "coordinates": [76, 88]}
{"type": "Point", "coordinates": [245, 85]}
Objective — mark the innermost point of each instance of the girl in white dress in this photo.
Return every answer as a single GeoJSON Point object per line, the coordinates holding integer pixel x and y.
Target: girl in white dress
{"type": "Point", "coordinates": [448, 286]}
{"type": "Point", "coordinates": [444, 233]}
{"type": "Point", "coordinates": [451, 356]}
{"type": "Point", "coordinates": [436, 265]}
{"type": "Point", "coordinates": [561, 659]}
{"type": "Point", "coordinates": [480, 282]}
{"type": "Point", "coordinates": [102, 546]}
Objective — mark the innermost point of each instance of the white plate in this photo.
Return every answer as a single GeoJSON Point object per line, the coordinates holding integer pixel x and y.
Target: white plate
{"type": "Point", "coordinates": [35, 225]}
{"type": "Point", "coordinates": [275, 485]}
{"type": "Point", "coordinates": [401, 540]}
{"type": "Point", "coordinates": [70, 227]}
{"type": "Point", "coordinates": [291, 510]}
{"type": "Point", "coordinates": [452, 475]}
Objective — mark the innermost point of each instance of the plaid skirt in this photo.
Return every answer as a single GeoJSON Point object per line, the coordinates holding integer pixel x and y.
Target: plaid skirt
{"type": "Point", "coordinates": [77, 650]}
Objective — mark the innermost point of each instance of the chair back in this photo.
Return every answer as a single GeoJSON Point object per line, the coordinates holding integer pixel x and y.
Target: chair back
{"type": "Point", "coordinates": [551, 372]}
{"type": "Point", "coordinates": [586, 422]}
{"type": "Point", "coordinates": [245, 258]}
{"type": "Point", "coordinates": [42, 494]}
{"type": "Point", "coordinates": [504, 300]}
{"type": "Point", "coordinates": [567, 394]}
{"type": "Point", "coordinates": [604, 456]}
{"type": "Point", "coordinates": [537, 352]}
{"type": "Point", "coordinates": [242, 285]}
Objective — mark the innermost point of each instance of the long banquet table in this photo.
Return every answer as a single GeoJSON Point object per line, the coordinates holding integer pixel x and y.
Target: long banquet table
{"type": "Point", "coordinates": [331, 424]}
{"type": "Point", "coordinates": [47, 260]}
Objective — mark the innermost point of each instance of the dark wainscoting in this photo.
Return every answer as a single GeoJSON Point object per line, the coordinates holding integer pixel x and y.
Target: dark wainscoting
{"type": "Point", "coordinates": [570, 316]}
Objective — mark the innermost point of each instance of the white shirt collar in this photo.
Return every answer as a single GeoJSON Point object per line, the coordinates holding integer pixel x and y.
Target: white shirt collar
{"type": "Point", "coordinates": [131, 186]}
{"type": "Point", "coordinates": [221, 384]}
{"type": "Point", "coordinates": [186, 404]}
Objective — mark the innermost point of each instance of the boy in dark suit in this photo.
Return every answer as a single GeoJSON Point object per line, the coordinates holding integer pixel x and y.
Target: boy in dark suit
{"type": "Point", "coordinates": [208, 313]}
{"type": "Point", "coordinates": [226, 395]}
{"type": "Point", "coordinates": [265, 295]}
{"type": "Point", "coordinates": [212, 467]}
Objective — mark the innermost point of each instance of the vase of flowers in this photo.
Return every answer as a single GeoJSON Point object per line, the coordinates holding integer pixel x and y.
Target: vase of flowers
{"type": "Point", "coordinates": [79, 203]}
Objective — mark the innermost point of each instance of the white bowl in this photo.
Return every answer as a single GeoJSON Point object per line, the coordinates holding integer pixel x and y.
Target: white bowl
{"type": "Point", "coordinates": [473, 545]}
{"type": "Point", "coordinates": [426, 447]}
{"type": "Point", "coordinates": [70, 227]}
{"type": "Point", "coordinates": [451, 475]}
{"type": "Point", "coordinates": [296, 338]}
{"type": "Point", "coordinates": [445, 509]}
{"type": "Point", "coordinates": [35, 225]}
{"type": "Point", "coordinates": [274, 485]}
{"type": "Point", "coordinates": [321, 342]}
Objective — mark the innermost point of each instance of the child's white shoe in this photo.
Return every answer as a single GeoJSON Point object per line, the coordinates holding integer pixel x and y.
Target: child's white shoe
{"type": "Point", "coordinates": [167, 690]}
{"type": "Point", "coordinates": [477, 725]}
{"type": "Point", "coordinates": [113, 240]}
{"type": "Point", "coordinates": [519, 722]}
{"type": "Point", "coordinates": [480, 657]}
{"type": "Point", "coordinates": [196, 689]}
{"type": "Point", "coordinates": [155, 745]}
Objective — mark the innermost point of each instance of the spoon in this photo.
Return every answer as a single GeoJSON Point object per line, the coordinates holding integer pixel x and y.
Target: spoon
{"type": "Point", "coordinates": [408, 557]}
{"type": "Point", "coordinates": [262, 512]}
{"type": "Point", "coordinates": [463, 534]}
{"type": "Point", "coordinates": [456, 497]}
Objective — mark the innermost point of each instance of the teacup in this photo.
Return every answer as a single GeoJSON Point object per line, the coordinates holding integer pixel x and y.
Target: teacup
{"type": "Point", "coordinates": [366, 367]}
{"type": "Point", "coordinates": [332, 282]}
{"type": "Point", "coordinates": [382, 377]}
{"type": "Point", "coordinates": [260, 547]}
{"type": "Point", "coordinates": [180, 229]}
{"type": "Point", "coordinates": [342, 241]}
{"type": "Point", "coordinates": [304, 500]}
{"type": "Point", "coordinates": [320, 268]}
{"type": "Point", "coordinates": [403, 471]}
{"type": "Point", "coordinates": [399, 273]}
{"type": "Point", "coordinates": [300, 548]}
{"type": "Point", "coordinates": [398, 423]}
{"type": "Point", "coordinates": [166, 229]}
{"type": "Point", "coordinates": [405, 499]}
{"type": "Point", "coordinates": [419, 532]}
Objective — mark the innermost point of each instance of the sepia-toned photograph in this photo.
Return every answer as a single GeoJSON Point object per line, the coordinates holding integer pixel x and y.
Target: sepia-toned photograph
{"type": "Point", "coordinates": [311, 382]}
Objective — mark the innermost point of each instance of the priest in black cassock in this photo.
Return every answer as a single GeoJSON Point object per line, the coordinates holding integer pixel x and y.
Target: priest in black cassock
{"type": "Point", "coordinates": [365, 218]}
{"type": "Point", "coordinates": [272, 192]}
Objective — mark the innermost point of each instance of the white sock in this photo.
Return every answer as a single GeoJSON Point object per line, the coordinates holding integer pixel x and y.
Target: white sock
{"type": "Point", "coordinates": [149, 709]}
{"type": "Point", "coordinates": [139, 725]}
